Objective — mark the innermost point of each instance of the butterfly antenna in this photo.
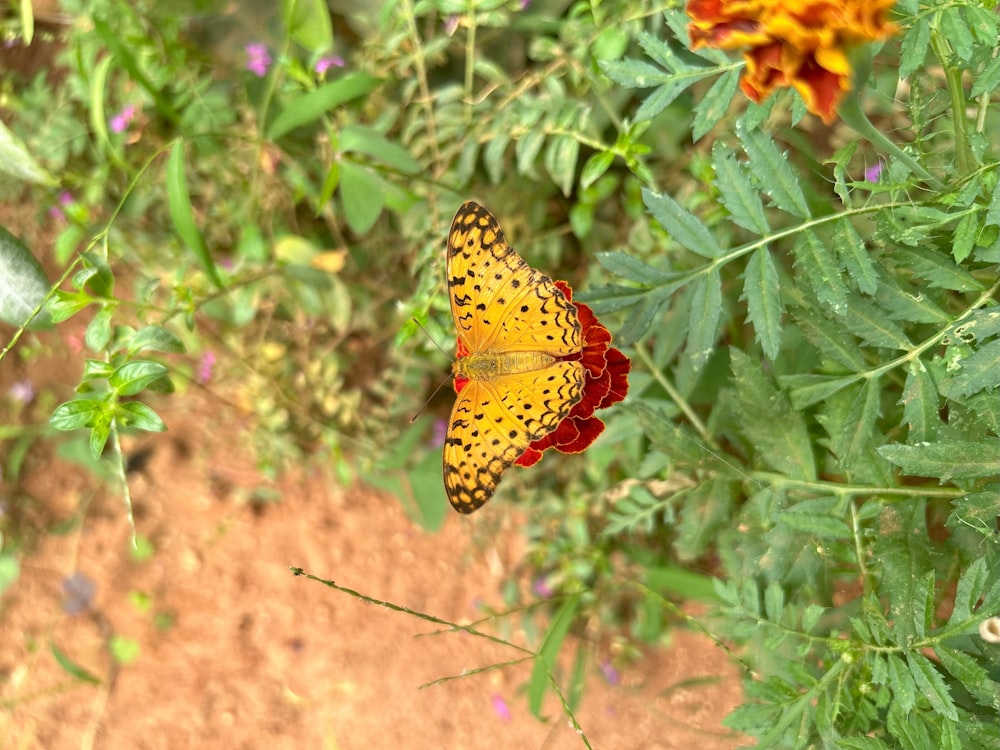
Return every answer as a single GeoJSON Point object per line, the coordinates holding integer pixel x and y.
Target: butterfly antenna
{"type": "Point", "coordinates": [441, 384]}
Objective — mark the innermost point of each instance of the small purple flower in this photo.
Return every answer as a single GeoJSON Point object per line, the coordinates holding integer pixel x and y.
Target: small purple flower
{"type": "Point", "coordinates": [610, 673]}
{"type": "Point", "coordinates": [78, 593]}
{"type": "Point", "coordinates": [873, 172]}
{"type": "Point", "coordinates": [500, 707]}
{"type": "Point", "coordinates": [450, 25]}
{"type": "Point", "coordinates": [258, 59]}
{"type": "Point", "coordinates": [439, 430]}
{"type": "Point", "coordinates": [525, 4]}
{"type": "Point", "coordinates": [23, 391]}
{"type": "Point", "coordinates": [120, 122]}
{"type": "Point", "coordinates": [65, 199]}
{"type": "Point", "coordinates": [540, 588]}
{"type": "Point", "coordinates": [328, 61]}
{"type": "Point", "coordinates": [204, 373]}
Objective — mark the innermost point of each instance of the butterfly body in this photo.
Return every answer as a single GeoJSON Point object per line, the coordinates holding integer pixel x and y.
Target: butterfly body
{"type": "Point", "coordinates": [518, 373]}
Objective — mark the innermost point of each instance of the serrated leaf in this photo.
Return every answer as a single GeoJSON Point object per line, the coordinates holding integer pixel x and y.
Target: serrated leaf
{"type": "Point", "coordinates": [774, 601]}
{"type": "Point", "coordinates": [706, 309]}
{"type": "Point", "coordinates": [914, 46]}
{"type": "Point", "coordinates": [310, 106]}
{"type": "Point", "coordinates": [661, 98]}
{"type": "Point", "coordinates": [684, 227]}
{"type": "Point", "coordinates": [856, 431]}
{"type": "Point", "coordinates": [816, 524]}
{"type": "Point", "coordinates": [973, 677]}
{"type": "Point", "coordinates": [830, 337]}
{"type": "Point", "coordinates": [867, 321]}
{"type": "Point", "coordinates": [182, 213]}
{"type": "Point", "coordinates": [133, 377]}
{"type": "Point", "coordinates": [938, 269]}
{"type": "Point", "coordinates": [920, 402]}
{"type": "Point", "coordinates": [636, 74]}
{"type": "Point", "coordinates": [944, 460]}
{"type": "Point", "coordinates": [736, 193]}
{"type": "Point", "coordinates": [763, 296]}
{"type": "Point", "coordinates": [714, 105]}
{"type": "Point", "coordinates": [980, 371]}
{"type": "Point", "coordinates": [17, 162]}
{"type": "Point", "coordinates": [777, 432]}
{"type": "Point", "coordinates": [854, 255]}
{"type": "Point", "coordinates": [23, 284]}
{"type": "Point", "coordinates": [631, 268]}
{"type": "Point", "coordinates": [931, 685]}
{"type": "Point", "coordinates": [493, 157]}
{"type": "Point", "coordinates": [915, 307]}
{"type": "Point", "coordinates": [807, 389]}
{"type": "Point", "coordinates": [773, 172]}
{"type": "Point", "coordinates": [969, 590]}
{"type": "Point", "coordinates": [901, 683]}
{"type": "Point", "coordinates": [819, 267]}
{"type": "Point", "coordinates": [965, 235]}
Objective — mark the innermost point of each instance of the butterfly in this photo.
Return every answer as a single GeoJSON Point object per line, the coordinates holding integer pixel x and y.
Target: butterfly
{"type": "Point", "coordinates": [515, 327]}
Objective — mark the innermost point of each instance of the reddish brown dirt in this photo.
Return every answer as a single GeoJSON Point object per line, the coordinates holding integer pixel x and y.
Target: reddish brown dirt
{"type": "Point", "coordinates": [253, 657]}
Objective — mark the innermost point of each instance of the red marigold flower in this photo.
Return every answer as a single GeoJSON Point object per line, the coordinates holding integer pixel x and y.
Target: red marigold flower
{"type": "Point", "coordinates": [606, 384]}
{"type": "Point", "coordinates": [802, 43]}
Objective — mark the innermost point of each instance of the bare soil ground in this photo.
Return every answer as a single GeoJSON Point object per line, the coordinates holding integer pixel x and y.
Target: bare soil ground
{"type": "Point", "coordinates": [236, 652]}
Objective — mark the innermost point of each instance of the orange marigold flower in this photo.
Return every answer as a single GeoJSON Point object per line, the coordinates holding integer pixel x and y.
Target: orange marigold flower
{"type": "Point", "coordinates": [802, 43]}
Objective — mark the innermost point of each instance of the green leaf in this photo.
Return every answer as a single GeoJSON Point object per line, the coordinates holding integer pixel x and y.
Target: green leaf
{"type": "Point", "coordinates": [807, 389]}
{"type": "Point", "coordinates": [772, 170]}
{"type": "Point", "coordinates": [980, 371]}
{"type": "Point", "coordinates": [631, 268]}
{"type": "Point", "coordinates": [904, 690]}
{"type": "Point", "coordinates": [17, 162]}
{"type": "Point", "coordinates": [23, 284]}
{"type": "Point", "coordinates": [973, 677]}
{"type": "Point", "coordinates": [736, 193]}
{"type": "Point", "coordinates": [71, 667]}
{"type": "Point", "coordinates": [545, 662]}
{"type": "Point", "coordinates": [99, 331]}
{"type": "Point", "coordinates": [182, 213]}
{"type": "Point", "coordinates": [81, 412]}
{"type": "Point", "coordinates": [133, 377]}
{"type": "Point", "coordinates": [140, 416]}
{"type": "Point", "coordinates": [156, 338]}
{"type": "Point", "coordinates": [560, 161]}
{"type": "Point", "coordinates": [637, 74]}
{"type": "Point", "coordinates": [308, 107]}
{"type": "Point", "coordinates": [527, 150]}
{"type": "Point", "coordinates": [944, 460]}
{"type": "Point", "coordinates": [852, 435]}
{"type": "Point", "coordinates": [308, 23]}
{"type": "Point", "coordinates": [777, 432]}
{"type": "Point", "coordinates": [965, 235]}
{"type": "Point", "coordinates": [714, 105]}
{"type": "Point", "coordinates": [762, 293]}
{"type": "Point", "coordinates": [123, 650]}
{"type": "Point", "coordinates": [830, 337]}
{"type": "Point", "coordinates": [931, 685]}
{"type": "Point", "coordinates": [819, 267]}
{"type": "Point", "coordinates": [938, 269]}
{"type": "Point", "coordinates": [854, 255]}
{"type": "Point", "coordinates": [684, 227]}
{"type": "Point", "coordinates": [359, 139]}
{"type": "Point", "coordinates": [871, 324]}
{"type": "Point", "coordinates": [119, 48]}
{"type": "Point", "coordinates": [914, 46]}
{"type": "Point", "coordinates": [706, 309]}
{"type": "Point", "coordinates": [363, 196]}
{"type": "Point", "coordinates": [595, 166]}
{"type": "Point", "coordinates": [920, 402]}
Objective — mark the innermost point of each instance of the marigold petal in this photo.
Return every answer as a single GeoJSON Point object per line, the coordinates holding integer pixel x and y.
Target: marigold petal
{"type": "Point", "coordinates": [530, 457]}
{"type": "Point", "coordinates": [587, 431]}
